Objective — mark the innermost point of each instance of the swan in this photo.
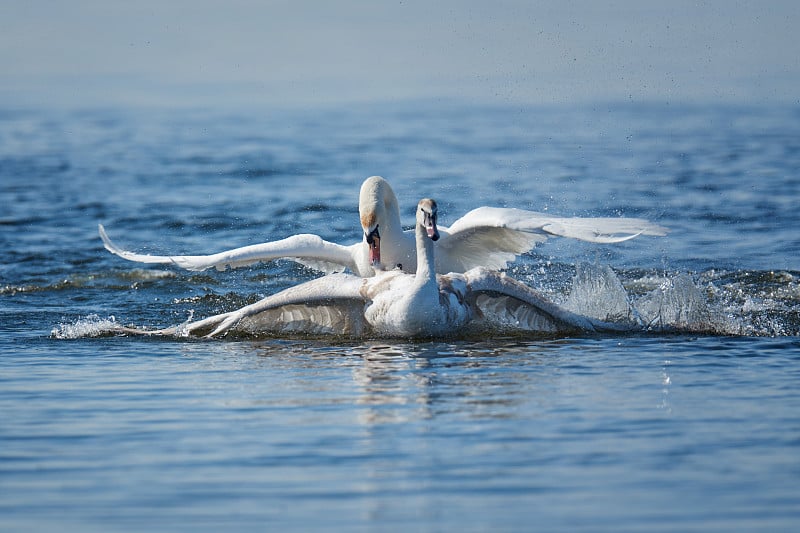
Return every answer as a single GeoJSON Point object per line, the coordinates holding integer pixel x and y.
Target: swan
{"type": "Point", "coordinates": [394, 303]}
{"type": "Point", "coordinates": [487, 236]}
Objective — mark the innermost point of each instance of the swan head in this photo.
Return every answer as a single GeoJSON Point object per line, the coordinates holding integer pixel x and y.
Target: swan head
{"type": "Point", "coordinates": [373, 238]}
{"type": "Point", "coordinates": [427, 211]}
{"type": "Point", "coordinates": [377, 205]}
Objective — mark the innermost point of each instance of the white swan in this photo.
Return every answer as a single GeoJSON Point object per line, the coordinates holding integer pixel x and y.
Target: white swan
{"type": "Point", "coordinates": [398, 304]}
{"type": "Point", "coordinates": [487, 236]}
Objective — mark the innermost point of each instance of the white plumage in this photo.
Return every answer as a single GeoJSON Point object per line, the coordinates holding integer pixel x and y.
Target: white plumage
{"type": "Point", "coordinates": [398, 304]}
{"type": "Point", "coordinates": [487, 237]}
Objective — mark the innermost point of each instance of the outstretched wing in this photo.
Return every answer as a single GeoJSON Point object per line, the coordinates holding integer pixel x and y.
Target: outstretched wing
{"type": "Point", "coordinates": [308, 249]}
{"type": "Point", "coordinates": [331, 304]}
{"type": "Point", "coordinates": [506, 303]}
{"type": "Point", "coordinates": [494, 236]}
{"type": "Point", "coordinates": [481, 245]}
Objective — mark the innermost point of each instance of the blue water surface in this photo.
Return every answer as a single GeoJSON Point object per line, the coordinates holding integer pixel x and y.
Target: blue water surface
{"type": "Point", "coordinates": [687, 430]}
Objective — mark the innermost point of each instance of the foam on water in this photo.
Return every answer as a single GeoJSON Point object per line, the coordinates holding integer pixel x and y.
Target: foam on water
{"type": "Point", "coordinates": [739, 303]}
{"type": "Point", "coordinates": [755, 302]}
{"type": "Point", "coordinates": [89, 326]}
{"type": "Point", "coordinates": [690, 432]}
{"type": "Point", "coordinates": [766, 306]}
{"type": "Point", "coordinates": [676, 303]}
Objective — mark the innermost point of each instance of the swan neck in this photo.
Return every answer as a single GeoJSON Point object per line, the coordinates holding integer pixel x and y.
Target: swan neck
{"type": "Point", "coordinates": [391, 213]}
{"type": "Point", "coordinates": [425, 259]}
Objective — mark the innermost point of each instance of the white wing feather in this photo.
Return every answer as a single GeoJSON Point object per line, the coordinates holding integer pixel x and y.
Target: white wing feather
{"type": "Point", "coordinates": [490, 237]}
{"type": "Point", "coordinates": [305, 248]}
{"type": "Point", "coordinates": [297, 308]}
{"type": "Point", "coordinates": [332, 304]}
{"type": "Point", "coordinates": [602, 230]}
{"type": "Point", "coordinates": [493, 236]}
{"type": "Point", "coordinates": [506, 302]}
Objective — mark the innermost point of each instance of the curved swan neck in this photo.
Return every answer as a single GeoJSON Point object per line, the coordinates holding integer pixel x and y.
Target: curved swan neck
{"type": "Point", "coordinates": [378, 204]}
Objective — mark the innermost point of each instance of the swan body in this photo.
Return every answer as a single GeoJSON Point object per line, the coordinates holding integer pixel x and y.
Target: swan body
{"type": "Point", "coordinates": [398, 304]}
{"type": "Point", "coordinates": [487, 236]}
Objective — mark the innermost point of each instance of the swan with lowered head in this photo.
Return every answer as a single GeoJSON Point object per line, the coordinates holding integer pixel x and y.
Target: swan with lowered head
{"type": "Point", "coordinates": [487, 236]}
{"type": "Point", "coordinates": [397, 304]}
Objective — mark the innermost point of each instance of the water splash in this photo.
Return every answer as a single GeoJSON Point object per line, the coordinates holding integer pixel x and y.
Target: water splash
{"type": "Point", "coordinates": [722, 303]}
{"type": "Point", "coordinates": [666, 304]}
{"type": "Point", "coordinates": [89, 326]}
{"type": "Point", "coordinates": [182, 330]}
{"type": "Point", "coordinates": [761, 303]}
{"type": "Point", "coordinates": [753, 303]}
{"type": "Point", "coordinates": [597, 292]}
{"type": "Point", "coordinates": [676, 304]}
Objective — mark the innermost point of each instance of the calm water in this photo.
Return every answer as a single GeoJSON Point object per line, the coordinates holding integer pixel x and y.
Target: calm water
{"type": "Point", "coordinates": [692, 430]}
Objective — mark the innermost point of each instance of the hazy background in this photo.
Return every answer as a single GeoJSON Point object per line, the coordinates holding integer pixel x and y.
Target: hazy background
{"type": "Point", "coordinates": [286, 53]}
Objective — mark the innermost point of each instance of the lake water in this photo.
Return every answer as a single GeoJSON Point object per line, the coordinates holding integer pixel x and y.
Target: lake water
{"type": "Point", "coordinates": [691, 427]}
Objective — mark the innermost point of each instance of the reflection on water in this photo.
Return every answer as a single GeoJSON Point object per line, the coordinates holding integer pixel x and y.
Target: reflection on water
{"type": "Point", "coordinates": [467, 432]}
{"type": "Point", "coordinates": [395, 383]}
{"type": "Point", "coordinates": [636, 432]}
{"type": "Point", "coordinates": [666, 382]}
{"type": "Point", "coordinates": [395, 386]}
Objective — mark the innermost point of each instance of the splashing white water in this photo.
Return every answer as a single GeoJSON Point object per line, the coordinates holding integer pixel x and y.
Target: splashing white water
{"type": "Point", "coordinates": [597, 292]}
{"type": "Point", "coordinates": [90, 326]}
{"type": "Point", "coordinates": [674, 303]}
{"type": "Point", "coordinates": [182, 330]}
{"type": "Point", "coordinates": [677, 303]}
{"type": "Point", "coordinates": [723, 303]}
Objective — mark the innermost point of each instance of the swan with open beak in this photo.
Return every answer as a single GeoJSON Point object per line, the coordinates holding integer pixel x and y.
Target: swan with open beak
{"type": "Point", "coordinates": [397, 304]}
{"type": "Point", "coordinates": [489, 237]}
